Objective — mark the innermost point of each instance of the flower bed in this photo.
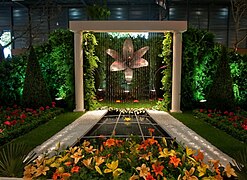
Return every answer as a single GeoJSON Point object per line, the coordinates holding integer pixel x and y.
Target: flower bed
{"type": "Point", "coordinates": [15, 121]}
{"type": "Point", "coordinates": [127, 159]}
{"type": "Point", "coordinates": [235, 124]}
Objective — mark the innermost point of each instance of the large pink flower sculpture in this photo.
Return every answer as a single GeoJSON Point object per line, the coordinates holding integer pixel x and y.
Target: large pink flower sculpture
{"type": "Point", "coordinates": [129, 61]}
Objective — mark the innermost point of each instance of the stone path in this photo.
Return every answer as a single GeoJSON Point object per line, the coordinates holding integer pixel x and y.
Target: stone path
{"type": "Point", "coordinates": [185, 136]}
{"type": "Point", "coordinates": [71, 133]}
{"type": "Point", "coordinates": [188, 137]}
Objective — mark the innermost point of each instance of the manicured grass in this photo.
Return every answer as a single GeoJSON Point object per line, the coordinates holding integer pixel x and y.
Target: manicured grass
{"type": "Point", "coordinates": [130, 104]}
{"type": "Point", "coordinates": [218, 138]}
{"type": "Point", "coordinates": [47, 130]}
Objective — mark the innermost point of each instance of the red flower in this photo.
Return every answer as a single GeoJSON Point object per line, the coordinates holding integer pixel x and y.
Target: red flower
{"type": "Point", "coordinates": [210, 111]}
{"type": "Point", "coordinates": [135, 101]}
{"type": "Point", "coordinates": [7, 123]}
{"type": "Point", "coordinates": [23, 116]}
{"type": "Point", "coordinates": [201, 110]}
{"type": "Point", "coordinates": [209, 115]}
{"type": "Point", "coordinates": [231, 113]}
{"type": "Point", "coordinates": [8, 117]}
{"type": "Point", "coordinates": [75, 169]}
{"type": "Point", "coordinates": [41, 108]}
{"type": "Point", "coordinates": [47, 107]}
{"type": "Point", "coordinates": [14, 122]}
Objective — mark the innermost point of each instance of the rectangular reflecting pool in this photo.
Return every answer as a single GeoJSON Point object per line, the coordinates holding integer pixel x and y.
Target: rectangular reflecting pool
{"type": "Point", "coordinates": [124, 125]}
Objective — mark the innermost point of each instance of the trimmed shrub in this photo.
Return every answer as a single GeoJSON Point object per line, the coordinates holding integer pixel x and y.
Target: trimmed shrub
{"type": "Point", "coordinates": [35, 92]}
{"type": "Point", "coordinates": [221, 94]}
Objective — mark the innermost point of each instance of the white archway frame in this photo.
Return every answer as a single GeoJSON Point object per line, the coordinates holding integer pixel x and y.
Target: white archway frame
{"type": "Point", "coordinates": [176, 27]}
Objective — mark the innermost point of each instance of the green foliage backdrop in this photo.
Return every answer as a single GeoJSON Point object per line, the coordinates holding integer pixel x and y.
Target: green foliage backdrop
{"type": "Point", "coordinates": [200, 59]}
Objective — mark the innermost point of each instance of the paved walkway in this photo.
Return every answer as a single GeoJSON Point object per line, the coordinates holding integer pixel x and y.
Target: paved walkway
{"type": "Point", "coordinates": [185, 136]}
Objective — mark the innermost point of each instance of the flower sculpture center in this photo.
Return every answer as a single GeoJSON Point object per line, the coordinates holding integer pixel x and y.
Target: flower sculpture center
{"type": "Point", "coordinates": [129, 61]}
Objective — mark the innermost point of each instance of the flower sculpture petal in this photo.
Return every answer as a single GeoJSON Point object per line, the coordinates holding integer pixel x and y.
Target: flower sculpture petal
{"type": "Point", "coordinates": [130, 59]}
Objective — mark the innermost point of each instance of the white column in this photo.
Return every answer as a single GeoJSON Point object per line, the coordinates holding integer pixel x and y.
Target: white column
{"type": "Point", "coordinates": [78, 58]}
{"type": "Point", "coordinates": [176, 71]}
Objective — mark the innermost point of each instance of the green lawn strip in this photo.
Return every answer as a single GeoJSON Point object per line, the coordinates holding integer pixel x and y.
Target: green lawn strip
{"type": "Point", "coordinates": [130, 104]}
{"type": "Point", "coordinates": [47, 130]}
{"type": "Point", "coordinates": [218, 138]}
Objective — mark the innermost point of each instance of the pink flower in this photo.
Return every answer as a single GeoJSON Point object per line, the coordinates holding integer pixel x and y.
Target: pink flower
{"type": "Point", "coordinates": [210, 111]}
{"type": "Point", "coordinates": [231, 113]}
{"type": "Point", "coordinates": [226, 112]}
{"type": "Point", "coordinates": [7, 123]}
{"type": "Point", "coordinates": [47, 107]}
{"type": "Point", "coordinates": [8, 117]}
{"type": "Point", "coordinates": [41, 108]}
{"type": "Point", "coordinates": [209, 115]}
{"type": "Point", "coordinates": [201, 110]}
{"type": "Point", "coordinates": [135, 101]}
{"type": "Point", "coordinates": [244, 126]}
{"type": "Point", "coordinates": [1, 130]}
{"type": "Point", "coordinates": [53, 104]}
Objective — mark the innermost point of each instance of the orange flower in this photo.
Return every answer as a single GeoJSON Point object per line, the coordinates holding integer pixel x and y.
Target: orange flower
{"type": "Point", "coordinates": [90, 149]}
{"type": "Point", "coordinates": [109, 142]}
{"type": "Point", "coordinates": [175, 161]}
{"type": "Point", "coordinates": [151, 131]}
{"type": "Point", "coordinates": [229, 171]}
{"type": "Point", "coordinates": [145, 156]}
{"type": "Point", "coordinates": [149, 177]}
{"type": "Point", "coordinates": [69, 163]}
{"type": "Point", "coordinates": [158, 169]}
{"type": "Point", "coordinates": [65, 176]}
{"type": "Point", "coordinates": [75, 169]}
{"type": "Point", "coordinates": [118, 101]}
{"type": "Point", "coordinates": [199, 156]}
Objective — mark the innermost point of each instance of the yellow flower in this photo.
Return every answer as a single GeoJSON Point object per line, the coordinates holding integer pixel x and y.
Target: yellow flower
{"type": "Point", "coordinates": [189, 151]}
{"type": "Point", "coordinates": [98, 170]}
{"type": "Point", "coordinates": [229, 171]}
{"type": "Point", "coordinates": [55, 164]}
{"type": "Point", "coordinates": [189, 175]}
{"type": "Point", "coordinates": [202, 169]}
{"type": "Point", "coordinates": [77, 155]}
{"type": "Point", "coordinates": [164, 141]}
{"type": "Point", "coordinates": [127, 119]}
{"type": "Point", "coordinates": [87, 162]}
{"type": "Point", "coordinates": [112, 167]}
{"type": "Point", "coordinates": [99, 160]}
{"type": "Point", "coordinates": [62, 159]}
{"type": "Point", "coordinates": [51, 160]}
{"type": "Point", "coordinates": [143, 170]}
{"type": "Point", "coordinates": [166, 153]}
